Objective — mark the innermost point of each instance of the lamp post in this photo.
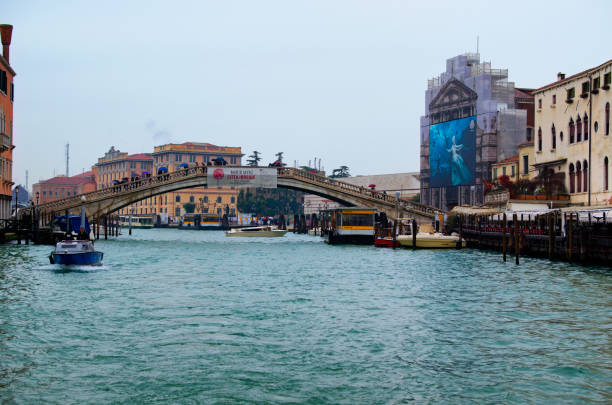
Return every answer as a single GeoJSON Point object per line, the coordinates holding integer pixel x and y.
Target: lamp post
{"type": "Point", "coordinates": [37, 195]}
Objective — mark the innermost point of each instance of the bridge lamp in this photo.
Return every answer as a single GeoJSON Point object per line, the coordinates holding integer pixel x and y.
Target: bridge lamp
{"type": "Point", "coordinates": [37, 195]}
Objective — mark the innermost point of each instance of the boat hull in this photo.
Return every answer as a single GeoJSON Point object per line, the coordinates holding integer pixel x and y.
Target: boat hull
{"type": "Point", "coordinates": [427, 242]}
{"type": "Point", "coordinates": [385, 242]}
{"type": "Point", "coordinates": [258, 234]}
{"type": "Point", "coordinates": [85, 258]}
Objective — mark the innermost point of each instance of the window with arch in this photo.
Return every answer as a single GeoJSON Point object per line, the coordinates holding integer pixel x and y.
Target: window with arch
{"type": "Point", "coordinates": [605, 174]}
{"type": "Point", "coordinates": [585, 174]}
{"type": "Point", "coordinates": [607, 118]}
{"type": "Point", "coordinates": [578, 177]}
{"type": "Point", "coordinates": [572, 178]}
{"type": "Point", "coordinates": [586, 127]}
{"type": "Point", "coordinates": [540, 139]}
{"type": "Point", "coordinates": [553, 136]}
{"type": "Point", "coordinates": [572, 130]}
{"type": "Point", "coordinates": [578, 130]}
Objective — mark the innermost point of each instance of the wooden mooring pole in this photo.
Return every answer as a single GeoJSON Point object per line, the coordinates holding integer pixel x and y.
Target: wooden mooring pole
{"type": "Point", "coordinates": [516, 237]}
{"type": "Point", "coordinates": [105, 226]}
{"type": "Point", "coordinates": [504, 239]}
{"type": "Point", "coordinates": [570, 237]}
{"type": "Point", "coordinates": [414, 233]}
{"type": "Point", "coordinates": [551, 226]}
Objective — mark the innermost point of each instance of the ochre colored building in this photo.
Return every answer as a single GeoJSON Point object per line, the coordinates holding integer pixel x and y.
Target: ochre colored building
{"type": "Point", "coordinates": [573, 140]}
{"type": "Point", "coordinates": [7, 87]}
{"type": "Point", "coordinates": [60, 187]}
{"type": "Point", "coordinates": [508, 167]}
{"type": "Point", "coordinates": [117, 166]}
{"type": "Point", "coordinates": [175, 156]}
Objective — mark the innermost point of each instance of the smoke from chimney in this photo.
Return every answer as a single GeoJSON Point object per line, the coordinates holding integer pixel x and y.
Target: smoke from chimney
{"type": "Point", "coordinates": [6, 30]}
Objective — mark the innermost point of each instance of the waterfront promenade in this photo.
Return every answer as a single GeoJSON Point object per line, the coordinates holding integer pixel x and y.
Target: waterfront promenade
{"type": "Point", "coordinates": [194, 317]}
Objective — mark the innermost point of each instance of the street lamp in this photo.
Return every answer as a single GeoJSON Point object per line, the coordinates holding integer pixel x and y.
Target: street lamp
{"type": "Point", "coordinates": [37, 195]}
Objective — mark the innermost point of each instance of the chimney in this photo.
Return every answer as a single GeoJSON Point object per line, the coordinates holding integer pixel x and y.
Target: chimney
{"type": "Point", "coordinates": [5, 31]}
{"type": "Point", "coordinates": [560, 76]}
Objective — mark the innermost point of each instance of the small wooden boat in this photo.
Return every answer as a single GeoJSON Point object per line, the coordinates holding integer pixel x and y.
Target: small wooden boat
{"type": "Point", "coordinates": [432, 241]}
{"type": "Point", "coordinates": [426, 238]}
{"type": "Point", "coordinates": [80, 252]}
{"type": "Point", "coordinates": [257, 231]}
{"type": "Point", "coordinates": [385, 241]}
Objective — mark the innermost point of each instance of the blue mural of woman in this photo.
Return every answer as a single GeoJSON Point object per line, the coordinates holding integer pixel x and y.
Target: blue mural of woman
{"type": "Point", "coordinates": [460, 174]}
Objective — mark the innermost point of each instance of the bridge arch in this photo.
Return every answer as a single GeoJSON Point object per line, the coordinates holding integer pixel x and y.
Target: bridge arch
{"type": "Point", "coordinates": [111, 199]}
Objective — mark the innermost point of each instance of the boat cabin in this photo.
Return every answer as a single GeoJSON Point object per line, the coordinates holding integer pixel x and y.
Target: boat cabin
{"type": "Point", "coordinates": [348, 225]}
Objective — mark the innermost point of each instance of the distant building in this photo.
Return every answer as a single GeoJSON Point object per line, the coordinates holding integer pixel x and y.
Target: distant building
{"type": "Point", "coordinates": [117, 166]}
{"type": "Point", "coordinates": [407, 184]}
{"type": "Point", "coordinates": [206, 200]}
{"type": "Point", "coordinates": [473, 118]}
{"type": "Point", "coordinates": [507, 167]}
{"type": "Point", "coordinates": [7, 96]}
{"type": "Point", "coordinates": [60, 187]}
{"type": "Point", "coordinates": [573, 144]}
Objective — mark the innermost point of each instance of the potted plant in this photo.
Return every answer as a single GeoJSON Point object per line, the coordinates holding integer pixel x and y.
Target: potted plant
{"type": "Point", "coordinates": [540, 193]}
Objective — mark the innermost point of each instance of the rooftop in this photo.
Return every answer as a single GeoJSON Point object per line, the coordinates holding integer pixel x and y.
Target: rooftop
{"type": "Point", "coordinates": [572, 77]}
{"type": "Point", "coordinates": [509, 160]}
{"type": "Point", "coordinates": [75, 180]}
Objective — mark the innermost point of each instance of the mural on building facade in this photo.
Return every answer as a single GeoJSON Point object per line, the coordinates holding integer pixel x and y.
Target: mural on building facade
{"type": "Point", "coordinates": [452, 156]}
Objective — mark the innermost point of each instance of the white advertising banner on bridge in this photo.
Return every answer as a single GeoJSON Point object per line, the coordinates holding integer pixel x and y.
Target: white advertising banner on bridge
{"type": "Point", "coordinates": [241, 177]}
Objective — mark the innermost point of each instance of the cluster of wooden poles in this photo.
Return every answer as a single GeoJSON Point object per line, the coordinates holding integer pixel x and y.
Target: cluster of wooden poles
{"type": "Point", "coordinates": [544, 227]}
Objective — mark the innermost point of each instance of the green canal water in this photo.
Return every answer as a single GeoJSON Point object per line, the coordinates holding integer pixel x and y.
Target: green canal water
{"type": "Point", "coordinates": [195, 317]}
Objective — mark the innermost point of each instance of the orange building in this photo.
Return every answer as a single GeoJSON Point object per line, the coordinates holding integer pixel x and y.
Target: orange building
{"type": "Point", "coordinates": [7, 74]}
{"type": "Point", "coordinates": [205, 200]}
{"type": "Point", "coordinates": [117, 166]}
{"type": "Point", "coordinates": [60, 187]}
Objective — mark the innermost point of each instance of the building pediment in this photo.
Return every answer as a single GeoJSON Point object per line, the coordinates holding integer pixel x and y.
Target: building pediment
{"type": "Point", "coordinates": [452, 95]}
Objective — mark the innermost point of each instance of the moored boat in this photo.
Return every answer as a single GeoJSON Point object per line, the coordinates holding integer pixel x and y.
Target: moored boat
{"type": "Point", "coordinates": [79, 252]}
{"type": "Point", "coordinates": [385, 241]}
{"type": "Point", "coordinates": [257, 231]}
{"type": "Point", "coordinates": [432, 241]}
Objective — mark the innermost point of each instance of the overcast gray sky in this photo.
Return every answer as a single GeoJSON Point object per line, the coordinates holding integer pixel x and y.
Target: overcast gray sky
{"type": "Point", "coordinates": [334, 79]}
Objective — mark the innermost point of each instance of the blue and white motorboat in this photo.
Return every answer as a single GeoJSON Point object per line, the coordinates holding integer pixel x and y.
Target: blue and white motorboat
{"type": "Point", "coordinates": [79, 252]}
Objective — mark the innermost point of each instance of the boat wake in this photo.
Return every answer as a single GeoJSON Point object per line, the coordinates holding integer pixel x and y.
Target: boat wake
{"type": "Point", "coordinates": [60, 268]}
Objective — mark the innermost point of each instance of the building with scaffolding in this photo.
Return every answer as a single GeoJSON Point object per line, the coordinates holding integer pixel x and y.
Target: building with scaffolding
{"type": "Point", "coordinates": [473, 118]}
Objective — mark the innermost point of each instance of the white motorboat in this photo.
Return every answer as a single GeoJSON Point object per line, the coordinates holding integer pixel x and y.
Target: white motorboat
{"type": "Point", "coordinates": [257, 231]}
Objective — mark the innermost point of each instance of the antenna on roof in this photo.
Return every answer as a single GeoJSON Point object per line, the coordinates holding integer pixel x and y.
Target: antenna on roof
{"type": "Point", "coordinates": [477, 44]}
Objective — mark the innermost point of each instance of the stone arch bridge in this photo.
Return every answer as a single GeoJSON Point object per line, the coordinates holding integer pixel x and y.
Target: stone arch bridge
{"type": "Point", "coordinates": [110, 199]}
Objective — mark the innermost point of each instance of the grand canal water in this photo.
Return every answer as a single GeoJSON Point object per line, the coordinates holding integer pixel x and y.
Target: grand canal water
{"type": "Point", "coordinates": [195, 317]}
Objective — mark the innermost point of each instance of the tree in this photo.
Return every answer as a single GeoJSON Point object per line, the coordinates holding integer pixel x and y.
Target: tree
{"type": "Point", "coordinates": [189, 207]}
{"type": "Point", "coordinates": [253, 160]}
{"type": "Point", "coordinates": [342, 171]}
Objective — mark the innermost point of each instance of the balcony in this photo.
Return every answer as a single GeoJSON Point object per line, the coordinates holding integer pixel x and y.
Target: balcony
{"type": "Point", "coordinates": [6, 142]}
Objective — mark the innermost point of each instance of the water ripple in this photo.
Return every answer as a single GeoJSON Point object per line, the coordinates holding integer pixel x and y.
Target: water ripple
{"type": "Point", "coordinates": [195, 317]}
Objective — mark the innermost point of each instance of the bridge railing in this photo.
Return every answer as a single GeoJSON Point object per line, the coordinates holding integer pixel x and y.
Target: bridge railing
{"type": "Point", "coordinates": [195, 171]}
{"type": "Point", "coordinates": [360, 190]}
{"type": "Point", "coordinates": [124, 188]}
